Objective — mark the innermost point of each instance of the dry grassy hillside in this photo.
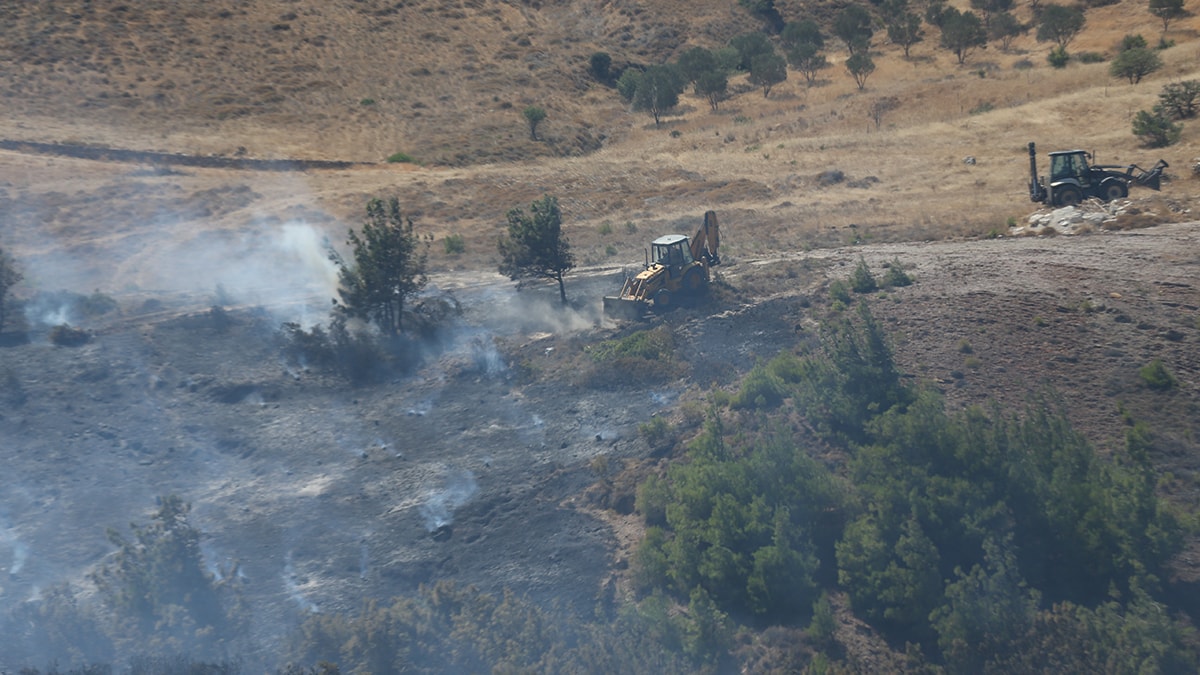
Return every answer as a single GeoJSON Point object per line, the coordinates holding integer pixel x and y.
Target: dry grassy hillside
{"type": "Point", "coordinates": [445, 83]}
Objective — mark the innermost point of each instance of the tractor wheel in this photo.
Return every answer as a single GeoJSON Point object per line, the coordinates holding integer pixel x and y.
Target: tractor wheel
{"type": "Point", "coordinates": [693, 280]}
{"type": "Point", "coordinates": [662, 299]}
{"type": "Point", "coordinates": [1115, 190]}
{"type": "Point", "coordinates": [1068, 196]}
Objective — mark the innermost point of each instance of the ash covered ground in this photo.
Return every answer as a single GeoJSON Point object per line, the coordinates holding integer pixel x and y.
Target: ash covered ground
{"type": "Point", "coordinates": [477, 467]}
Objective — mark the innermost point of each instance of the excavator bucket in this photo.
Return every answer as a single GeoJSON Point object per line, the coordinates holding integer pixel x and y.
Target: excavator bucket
{"type": "Point", "coordinates": [628, 309]}
{"type": "Point", "coordinates": [1151, 178]}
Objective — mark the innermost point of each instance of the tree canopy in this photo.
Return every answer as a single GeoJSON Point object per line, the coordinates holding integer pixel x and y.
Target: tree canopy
{"type": "Point", "coordinates": [534, 246]}
{"type": "Point", "coordinates": [657, 90]}
{"type": "Point", "coordinates": [1134, 64]}
{"type": "Point", "coordinates": [854, 27]}
{"type": "Point", "coordinates": [388, 267]}
{"type": "Point", "coordinates": [1167, 11]}
{"type": "Point", "coordinates": [860, 66]}
{"type": "Point", "coordinates": [534, 115]}
{"type": "Point", "coordinates": [962, 33]}
{"type": "Point", "coordinates": [768, 70]}
{"type": "Point", "coordinates": [1060, 24]}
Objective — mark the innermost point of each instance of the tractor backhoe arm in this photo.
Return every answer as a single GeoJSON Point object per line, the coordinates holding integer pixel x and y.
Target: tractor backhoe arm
{"type": "Point", "coordinates": [707, 240]}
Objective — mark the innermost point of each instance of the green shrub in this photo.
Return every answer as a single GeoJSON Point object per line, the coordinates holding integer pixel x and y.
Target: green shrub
{"type": "Point", "coordinates": [367, 102]}
{"type": "Point", "coordinates": [861, 279]}
{"type": "Point", "coordinates": [454, 244]}
{"type": "Point", "coordinates": [656, 431]}
{"type": "Point", "coordinates": [1156, 376]}
{"type": "Point", "coordinates": [605, 229]}
{"type": "Point", "coordinates": [896, 276]}
{"type": "Point", "coordinates": [839, 291]}
{"type": "Point", "coordinates": [1090, 57]}
{"type": "Point", "coordinates": [610, 250]}
{"type": "Point", "coordinates": [761, 389]}
{"type": "Point", "coordinates": [401, 158]}
{"type": "Point", "coordinates": [1180, 99]}
{"type": "Point", "coordinates": [1155, 127]}
{"type": "Point", "coordinates": [1058, 57]}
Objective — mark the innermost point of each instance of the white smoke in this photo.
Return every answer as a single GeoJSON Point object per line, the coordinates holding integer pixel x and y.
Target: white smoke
{"type": "Point", "coordinates": [439, 507]}
{"type": "Point", "coordinates": [293, 586]}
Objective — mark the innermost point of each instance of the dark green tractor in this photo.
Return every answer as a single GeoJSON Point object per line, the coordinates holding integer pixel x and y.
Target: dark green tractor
{"type": "Point", "coordinates": [1073, 180]}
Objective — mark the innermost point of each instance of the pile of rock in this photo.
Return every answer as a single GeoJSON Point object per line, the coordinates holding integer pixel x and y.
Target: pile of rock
{"type": "Point", "coordinates": [1089, 216]}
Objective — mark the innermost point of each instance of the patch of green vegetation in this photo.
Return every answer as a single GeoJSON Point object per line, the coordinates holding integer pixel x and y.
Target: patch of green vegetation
{"type": "Point", "coordinates": [454, 244]}
{"type": "Point", "coordinates": [1156, 376]}
{"type": "Point", "coordinates": [896, 276]}
{"type": "Point", "coordinates": [605, 228]}
{"type": "Point", "coordinates": [401, 158]}
{"type": "Point", "coordinates": [861, 279]}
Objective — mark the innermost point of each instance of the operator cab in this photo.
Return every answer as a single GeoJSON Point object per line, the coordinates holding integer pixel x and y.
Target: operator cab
{"type": "Point", "coordinates": [1069, 164]}
{"type": "Point", "coordinates": [671, 251]}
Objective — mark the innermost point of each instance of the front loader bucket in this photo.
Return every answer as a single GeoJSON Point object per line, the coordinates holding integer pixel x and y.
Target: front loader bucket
{"type": "Point", "coordinates": [1151, 178]}
{"type": "Point", "coordinates": [624, 308]}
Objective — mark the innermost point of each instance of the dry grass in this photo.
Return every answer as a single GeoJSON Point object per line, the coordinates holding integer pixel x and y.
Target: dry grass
{"type": "Point", "coordinates": [447, 83]}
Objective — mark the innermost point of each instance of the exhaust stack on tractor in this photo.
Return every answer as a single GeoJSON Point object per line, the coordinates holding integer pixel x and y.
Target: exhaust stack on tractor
{"type": "Point", "coordinates": [676, 268]}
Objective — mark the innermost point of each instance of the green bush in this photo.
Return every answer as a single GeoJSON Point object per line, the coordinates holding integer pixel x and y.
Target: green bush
{"type": "Point", "coordinates": [896, 276]}
{"type": "Point", "coordinates": [839, 291]}
{"type": "Point", "coordinates": [656, 431]}
{"type": "Point", "coordinates": [1156, 376]}
{"type": "Point", "coordinates": [1180, 99]}
{"type": "Point", "coordinates": [401, 158]}
{"type": "Point", "coordinates": [1058, 57]}
{"type": "Point", "coordinates": [454, 244]}
{"type": "Point", "coordinates": [861, 279]}
{"type": "Point", "coordinates": [1090, 57]}
{"type": "Point", "coordinates": [1155, 127]}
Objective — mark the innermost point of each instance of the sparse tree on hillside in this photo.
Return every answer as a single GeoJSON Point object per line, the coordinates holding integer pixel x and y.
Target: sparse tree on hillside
{"type": "Point", "coordinates": [962, 33]}
{"type": "Point", "coordinates": [808, 59]}
{"type": "Point", "coordinates": [860, 66]}
{"type": "Point", "coordinates": [1155, 128]}
{"type": "Point", "coordinates": [934, 11]}
{"type": "Point", "coordinates": [854, 27]}
{"type": "Point", "coordinates": [695, 63]}
{"type": "Point", "coordinates": [9, 277]}
{"type": "Point", "coordinates": [657, 91]}
{"type": "Point", "coordinates": [1004, 28]}
{"type": "Point", "coordinates": [802, 32]}
{"type": "Point", "coordinates": [388, 267]}
{"type": "Point", "coordinates": [768, 70]}
{"type": "Point", "coordinates": [990, 8]}
{"type": "Point", "coordinates": [1060, 24]}
{"type": "Point", "coordinates": [802, 44]}
{"type": "Point", "coordinates": [535, 246]}
{"type": "Point", "coordinates": [534, 116]}
{"type": "Point", "coordinates": [1180, 99]}
{"type": "Point", "coordinates": [712, 87]}
{"type": "Point", "coordinates": [1167, 11]}
{"type": "Point", "coordinates": [600, 65]}
{"type": "Point", "coordinates": [1134, 64]}
{"type": "Point", "coordinates": [904, 29]}
{"type": "Point", "coordinates": [750, 45]}
{"type": "Point", "coordinates": [627, 83]}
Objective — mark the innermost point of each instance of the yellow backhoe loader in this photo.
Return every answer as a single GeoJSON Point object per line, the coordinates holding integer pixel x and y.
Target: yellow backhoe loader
{"type": "Point", "coordinates": [676, 268]}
